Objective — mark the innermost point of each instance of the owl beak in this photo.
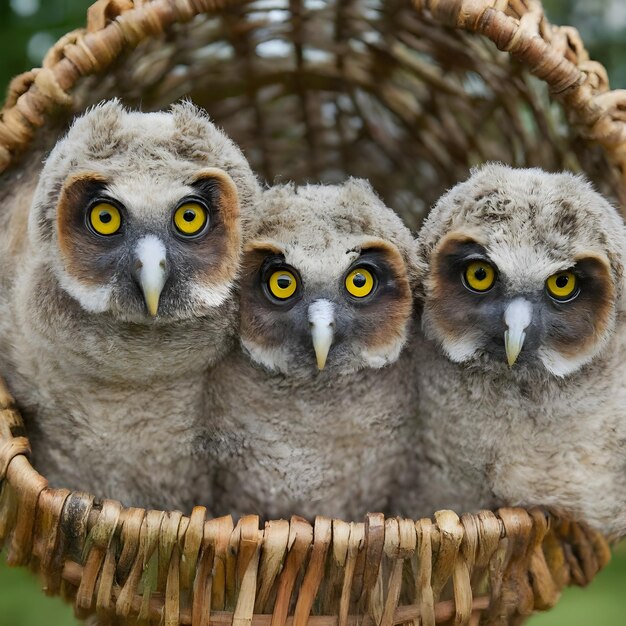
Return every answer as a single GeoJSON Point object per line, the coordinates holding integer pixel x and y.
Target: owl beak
{"type": "Point", "coordinates": [517, 317]}
{"type": "Point", "coordinates": [322, 324]}
{"type": "Point", "coordinates": [151, 271]}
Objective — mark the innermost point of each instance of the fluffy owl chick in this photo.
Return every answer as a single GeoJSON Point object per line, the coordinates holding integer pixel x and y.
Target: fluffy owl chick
{"type": "Point", "coordinates": [521, 376]}
{"type": "Point", "coordinates": [310, 417]}
{"type": "Point", "coordinates": [118, 295]}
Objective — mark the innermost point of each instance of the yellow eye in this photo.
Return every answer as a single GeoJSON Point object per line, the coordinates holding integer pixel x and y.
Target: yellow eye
{"type": "Point", "coordinates": [105, 218]}
{"type": "Point", "coordinates": [480, 276]}
{"type": "Point", "coordinates": [360, 282]}
{"type": "Point", "coordinates": [282, 284]}
{"type": "Point", "coordinates": [562, 286]}
{"type": "Point", "coordinates": [190, 218]}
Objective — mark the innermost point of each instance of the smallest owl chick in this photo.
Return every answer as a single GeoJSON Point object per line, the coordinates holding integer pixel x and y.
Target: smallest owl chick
{"type": "Point", "coordinates": [311, 417]}
{"type": "Point", "coordinates": [521, 373]}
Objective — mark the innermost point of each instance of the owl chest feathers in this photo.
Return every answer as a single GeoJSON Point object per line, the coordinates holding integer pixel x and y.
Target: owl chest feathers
{"type": "Point", "coordinates": [327, 445]}
{"type": "Point", "coordinates": [111, 408]}
{"type": "Point", "coordinates": [524, 440]}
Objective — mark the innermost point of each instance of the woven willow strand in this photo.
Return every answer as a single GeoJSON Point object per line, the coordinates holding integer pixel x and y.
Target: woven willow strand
{"type": "Point", "coordinates": [554, 55]}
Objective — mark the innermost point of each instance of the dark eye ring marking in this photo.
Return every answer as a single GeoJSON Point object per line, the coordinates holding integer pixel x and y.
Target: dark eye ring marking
{"type": "Point", "coordinates": [479, 275]}
{"type": "Point", "coordinates": [563, 286]}
{"type": "Point", "coordinates": [361, 281]}
{"type": "Point", "coordinates": [104, 216]}
{"type": "Point", "coordinates": [272, 266]}
{"type": "Point", "coordinates": [190, 215]}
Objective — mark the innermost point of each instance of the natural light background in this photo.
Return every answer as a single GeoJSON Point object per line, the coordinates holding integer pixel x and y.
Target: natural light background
{"type": "Point", "coordinates": [29, 27]}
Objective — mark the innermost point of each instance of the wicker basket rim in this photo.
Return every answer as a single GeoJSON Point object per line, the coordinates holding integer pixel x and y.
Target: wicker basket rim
{"type": "Point", "coordinates": [555, 55]}
{"type": "Point", "coordinates": [45, 523]}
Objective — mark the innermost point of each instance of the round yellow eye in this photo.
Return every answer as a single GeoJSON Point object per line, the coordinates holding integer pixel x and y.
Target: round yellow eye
{"type": "Point", "coordinates": [480, 276]}
{"type": "Point", "coordinates": [360, 282]}
{"type": "Point", "coordinates": [190, 218]}
{"type": "Point", "coordinates": [105, 218]}
{"type": "Point", "coordinates": [282, 284]}
{"type": "Point", "coordinates": [562, 286]}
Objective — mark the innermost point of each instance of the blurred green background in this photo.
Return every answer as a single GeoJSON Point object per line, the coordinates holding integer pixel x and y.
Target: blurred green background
{"type": "Point", "coordinates": [29, 27]}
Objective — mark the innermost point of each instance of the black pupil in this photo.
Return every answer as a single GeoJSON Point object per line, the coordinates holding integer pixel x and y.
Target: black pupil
{"type": "Point", "coordinates": [105, 217]}
{"type": "Point", "coordinates": [189, 215]}
{"type": "Point", "coordinates": [284, 282]}
{"type": "Point", "coordinates": [359, 280]}
{"type": "Point", "coordinates": [561, 281]}
{"type": "Point", "coordinates": [480, 274]}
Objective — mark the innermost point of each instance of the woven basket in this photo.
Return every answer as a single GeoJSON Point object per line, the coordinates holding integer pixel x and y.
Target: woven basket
{"type": "Point", "coordinates": [408, 96]}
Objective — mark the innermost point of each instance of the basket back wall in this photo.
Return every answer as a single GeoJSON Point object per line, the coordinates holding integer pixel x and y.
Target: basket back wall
{"type": "Point", "coordinates": [409, 95]}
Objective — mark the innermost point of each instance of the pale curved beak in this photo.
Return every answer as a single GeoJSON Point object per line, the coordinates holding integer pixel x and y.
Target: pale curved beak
{"type": "Point", "coordinates": [517, 317]}
{"type": "Point", "coordinates": [151, 265]}
{"type": "Point", "coordinates": [322, 324]}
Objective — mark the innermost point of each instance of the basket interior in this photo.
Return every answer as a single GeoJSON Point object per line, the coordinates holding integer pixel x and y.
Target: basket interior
{"type": "Point", "coordinates": [316, 91]}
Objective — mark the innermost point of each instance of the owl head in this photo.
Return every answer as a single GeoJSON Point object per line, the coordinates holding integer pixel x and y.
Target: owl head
{"type": "Point", "coordinates": [137, 214]}
{"type": "Point", "coordinates": [326, 280]}
{"type": "Point", "coordinates": [522, 268]}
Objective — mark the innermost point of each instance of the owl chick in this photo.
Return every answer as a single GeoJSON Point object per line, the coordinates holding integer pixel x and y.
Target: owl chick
{"type": "Point", "coordinates": [118, 294]}
{"type": "Point", "coordinates": [310, 417]}
{"type": "Point", "coordinates": [521, 375]}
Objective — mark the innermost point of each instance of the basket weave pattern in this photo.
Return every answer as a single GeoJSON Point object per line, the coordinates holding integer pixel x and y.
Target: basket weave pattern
{"type": "Point", "coordinates": [390, 91]}
{"type": "Point", "coordinates": [409, 96]}
{"type": "Point", "coordinates": [167, 568]}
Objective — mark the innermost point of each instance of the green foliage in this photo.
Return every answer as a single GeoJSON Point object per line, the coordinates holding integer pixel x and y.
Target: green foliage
{"type": "Point", "coordinates": [22, 603]}
{"type": "Point", "coordinates": [23, 38]}
{"type": "Point", "coordinates": [601, 604]}
{"type": "Point", "coordinates": [602, 25]}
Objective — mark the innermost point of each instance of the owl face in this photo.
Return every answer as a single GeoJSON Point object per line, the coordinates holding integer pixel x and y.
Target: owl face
{"type": "Point", "coordinates": [325, 281]}
{"type": "Point", "coordinates": [522, 269]}
{"type": "Point", "coordinates": [138, 214]}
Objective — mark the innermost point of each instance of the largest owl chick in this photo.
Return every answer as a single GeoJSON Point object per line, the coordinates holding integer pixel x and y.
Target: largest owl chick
{"type": "Point", "coordinates": [117, 295]}
{"type": "Point", "coordinates": [521, 378]}
{"type": "Point", "coordinates": [311, 417]}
